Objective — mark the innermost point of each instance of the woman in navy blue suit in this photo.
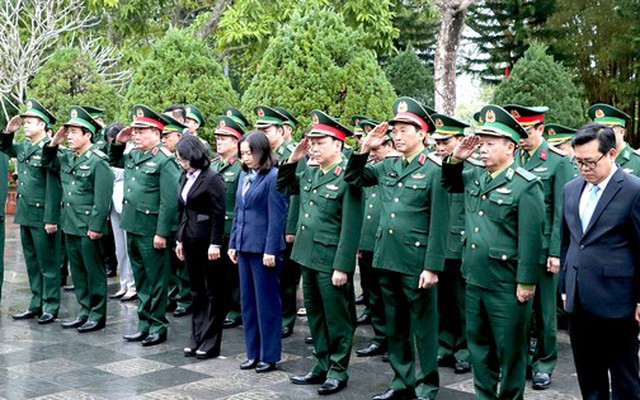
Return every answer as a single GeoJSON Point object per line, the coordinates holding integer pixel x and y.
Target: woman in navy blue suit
{"type": "Point", "coordinates": [256, 244]}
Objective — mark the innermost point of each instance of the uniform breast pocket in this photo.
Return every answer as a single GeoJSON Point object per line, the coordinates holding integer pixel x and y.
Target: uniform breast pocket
{"type": "Point", "coordinates": [413, 191]}
{"type": "Point", "coordinates": [330, 201]}
{"type": "Point", "coordinates": [472, 199]}
{"type": "Point", "coordinates": [149, 176]}
{"type": "Point", "coordinates": [500, 206]}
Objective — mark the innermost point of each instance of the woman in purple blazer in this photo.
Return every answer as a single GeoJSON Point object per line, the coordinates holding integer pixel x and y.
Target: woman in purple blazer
{"type": "Point", "coordinates": [256, 244]}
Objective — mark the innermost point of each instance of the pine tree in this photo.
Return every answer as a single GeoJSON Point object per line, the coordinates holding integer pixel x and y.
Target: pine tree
{"type": "Point", "coordinates": [317, 62]}
{"type": "Point", "coordinates": [537, 80]}
{"type": "Point", "coordinates": [181, 69]}
{"type": "Point", "coordinates": [410, 77]}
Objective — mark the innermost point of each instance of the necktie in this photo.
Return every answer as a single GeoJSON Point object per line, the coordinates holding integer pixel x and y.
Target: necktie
{"type": "Point", "coordinates": [590, 207]}
{"type": "Point", "coordinates": [524, 157]}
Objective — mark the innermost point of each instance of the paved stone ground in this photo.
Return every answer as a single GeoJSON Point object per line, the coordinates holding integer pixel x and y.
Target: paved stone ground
{"type": "Point", "coordinates": [48, 362]}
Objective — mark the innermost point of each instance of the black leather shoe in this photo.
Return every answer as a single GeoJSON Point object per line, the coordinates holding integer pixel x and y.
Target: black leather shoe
{"type": "Point", "coordinates": [372, 350]}
{"type": "Point", "coordinates": [286, 332]}
{"type": "Point", "coordinates": [446, 361]}
{"type": "Point", "coordinates": [203, 355]}
{"type": "Point", "coordinates": [182, 311]}
{"type": "Point", "coordinates": [251, 363]}
{"type": "Point", "coordinates": [331, 386]}
{"type": "Point", "coordinates": [364, 319]}
{"type": "Point", "coordinates": [541, 381]}
{"type": "Point", "coordinates": [360, 300]}
{"type": "Point", "coordinates": [46, 318]}
{"type": "Point", "coordinates": [390, 394]}
{"type": "Point", "coordinates": [462, 367]}
{"type": "Point", "coordinates": [27, 314]}
{"type": "Point", "coordinates": [308, 379]}
{"type": "Point", "coordinates": [91, 326]}
{"type": "Point", "coordinates": [265, 367]}
{"type": "Point", "coordinates": [385, 357]}
{"type": "Point", "coordinates": [308, 340]}
{"type": "Point", "coordinates": [189, 352]}
{"type": "Point", "coordinates": [68, 288]}
{"type": "Point", "coordinates": [230, 323]}
{"type": "Point", "coordinates": [136, 337]}
{"type": "Point", "coordinates": [154, 339]}
{"type": "Point", "coordinates": [73, 323]}
{"type": "Point", "coordinates": [130, 296]}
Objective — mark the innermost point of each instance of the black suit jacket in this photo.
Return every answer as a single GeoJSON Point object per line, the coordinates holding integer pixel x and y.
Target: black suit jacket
{"type": "Point", "coordinates": [601, 266]}
{"type": "Point", "coordinates": [202, 217]}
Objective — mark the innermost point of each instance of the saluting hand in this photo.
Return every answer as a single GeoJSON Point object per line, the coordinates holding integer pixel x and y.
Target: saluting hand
{"type": "Point", "coordinates": [300, 151]}
{"type": "Point", "coordinates": [124, 135]}
{"type": "Point", "coordinates": [427, 279]}
{"type": "Point", "coordinates": [13, 125]}
{"type": "Point", "coordinates": [375, 138]}
{"type": "Point", "coordinates": [466, 147]}
{"type": "Point", "coordinates": [59, 137]}
{"type": "Point", "coordinates": [338, 278]}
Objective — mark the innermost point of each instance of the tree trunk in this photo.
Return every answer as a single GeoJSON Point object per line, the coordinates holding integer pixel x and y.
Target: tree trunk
{"type": "Point", "coordinates": [445, 64]}
{"type": "Point", "coordinates": [212, 25]}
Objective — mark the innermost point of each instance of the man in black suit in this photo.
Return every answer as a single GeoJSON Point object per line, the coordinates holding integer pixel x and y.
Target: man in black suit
{"type": "Point", "coordinates": [600, 259]}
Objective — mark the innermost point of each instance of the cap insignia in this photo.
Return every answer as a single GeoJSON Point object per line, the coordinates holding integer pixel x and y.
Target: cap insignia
{"type": "Point", "coordinates": [515, 113]}
{"type": "Point", "coordinates": [74, 113]}
{"type": "Point", "coordinates": [260, 112]}
{"type": "Point", "coordinates": [490, 116]}
{"type": "Point", "coordinates": [139, 113]}
{"type": "Point", "coordinates": [229, 113]}
{"type": "Point", "coordinates": [439, 122]}
{"type": "Point", "coordinates": [222, 124]}
{"type": "Point", "coordinates": [357, 121]}
{"type": "Point", "coordinates": [315, 119]}
{"type": "Point", "coordinates": [552, 131]}
{"type": "Point", "coordinates": [599, 113]}
{"type": "Point", "coordinates": [402, 106]}
{"type": "Point", "coordinates": [29, 104]}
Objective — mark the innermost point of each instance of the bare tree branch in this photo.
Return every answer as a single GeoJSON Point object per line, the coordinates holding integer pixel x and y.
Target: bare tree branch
{"type": "Point", "coordinates": [212, 25]}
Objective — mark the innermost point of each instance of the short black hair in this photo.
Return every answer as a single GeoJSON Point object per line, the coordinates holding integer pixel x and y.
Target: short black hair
{"type": "Point", "coordinates": [260, 149]}
{"type": "Point", "coordinates": [603, 134]}
{"type": "Point", "coordinates": [111, 131]}
{"type": "Point", "coordinates": [191, 149]}
{"type": "Point", "coordinates": [177, 111]}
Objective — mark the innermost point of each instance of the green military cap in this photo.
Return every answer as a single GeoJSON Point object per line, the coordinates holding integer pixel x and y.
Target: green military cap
{"type": "Point", "coordinates": [37, 110]}
{"type": "Point", "coordinates": [95, 112]}
{"type": "Point", "coordinates": [145, 117]}
{"type": "Point", "coordinates": [477, 116]}
{"type": "Point", "coordinates": [291, 120]}
{"type": "Point", "coordinates": [368, 124]}
{"type": "Point", "coordinates": [527, 116]}
{"type": "Point", "coordinates": [447, 126]}
{"type": "Point", "coordinates": [324, 125]}
{"type": "Point", "coordinates": [556, 133]}
{"type": "Point", "coordinates": [172, 125]}
{"type": "Point", "coordinates": [411, 111]}
{"type": "Point", "coordinates": [499, 122]}
{"type": "Point", "coordinates": [608, 115]}
{"type": "Point", "coordinates": [268, 116]}
{"type": "Point", "coordinates": [237, 116]}
{"type": "Point", "coordinates": [81, 118]}
{"type": "Point", "coordinates": [195, 114]}
{"type": "Point", "coordinates": [356, 120]}
{"type": "Point", "coordinates": [229, 126]}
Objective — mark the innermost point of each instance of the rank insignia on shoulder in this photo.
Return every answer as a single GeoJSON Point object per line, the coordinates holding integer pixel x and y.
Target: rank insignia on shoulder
{"type": "Point", "coordinates": [151, 163]}
{"type": "Point", "coordinates": [100, 153]}
{"type": "Point", "coordinates": [154, 151]}
{"type": "Point", "coordinates": [435, 159]}
{"type": "Point", "coordinates": [84, 167]}
{"type": "Point", "coordinates": [164, 151]}
{"type": "Point", "coordinates": [540, 169]}
{"type": "Point", "coordinates": [510, 173]}
{"type": "Point", "coordinates": [628, 170]}
{"type": "Point", "coordinates": [232, 160]}
{"type": "Point", "coordinates": [503, 190]}
{"type": "Point", "coordinates": [543, 155]}
{"type": "Point", "coordinates": [528, 176]}
{"type": "Point", "coordinates": [422, 159]}
{"type": "Point", "coordinates": [418, 176]}
{"type": "Point", "coordinates": [337, 171]}
{"type": "Point", "coordinates": [558, 151]}
{"type": "Point", "coordinates": [332, 187]}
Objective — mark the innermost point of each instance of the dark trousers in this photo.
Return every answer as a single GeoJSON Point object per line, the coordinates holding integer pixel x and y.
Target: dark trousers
{"type": "Point", "coordinates": [602, 346]}
{"type": "Point", "coordinates": [375, 304]}
{"type": "Point", "coordinates": [233, 283]}
{"type": "Point", "coordinates": [42, 257]}
{"type": "Point", "coordinates": [412, 322]}
{"type": "Point", "coordinates": [261, 307]}
{"type": "Point", "coordinates": [209, 297]}
{"type": "Point", "coordinates": [289, 281]}
{"type": "Point", "coordinates": [452, 336]}
{"type": "Point", "coordinates": [179, 285]}
{"type": "Point", "coordinates": [545, 323]}
{"type": "Point", "coordinates": [89, 276]}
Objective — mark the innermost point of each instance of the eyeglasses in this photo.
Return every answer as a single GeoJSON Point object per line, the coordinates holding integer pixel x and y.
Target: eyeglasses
{"type": "Point", "coordinates": [589, 165]}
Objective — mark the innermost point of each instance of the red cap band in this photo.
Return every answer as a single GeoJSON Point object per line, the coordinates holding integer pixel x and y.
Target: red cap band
{"type": "Point", "coordinates": [150, 121]}
{"type": "Point", "coordinates": [531, 119]}
{"type": "Point", "coordinates": [412, 118]}
{"type": "Point", "coordinates": [230, 130]}
{"type": "Point", "coordinates": [329, 131]}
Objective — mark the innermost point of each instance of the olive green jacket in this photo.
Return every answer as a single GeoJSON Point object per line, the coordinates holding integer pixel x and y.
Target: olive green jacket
{"type": "Point", "coordinates": [629, 160]}
{"type": "Point", "coordinates": [151, 178]}
{"type": "Point", "coordinates": [229, 170]}
{"type": "Point", "coordinates": [330, 217]}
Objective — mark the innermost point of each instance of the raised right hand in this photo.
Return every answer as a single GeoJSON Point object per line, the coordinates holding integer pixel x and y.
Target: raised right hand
{"type": "Point", "coordinates": [300, 151]}
{"type": "Point", "coordinates": [375, 138]}
{"type": "Point", "coordinates": [466, 147]}
{"type": "Point", "coordinates": [124, 135]}
{"type": "Point", "coordinates": [13, 125]}
{"type": "Point", "coordinates": [59, 137]}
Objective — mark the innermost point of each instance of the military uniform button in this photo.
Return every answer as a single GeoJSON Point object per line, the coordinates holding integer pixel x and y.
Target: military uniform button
{"type": "Point", "coordinates": [417, 244]}
{"type": "Point", "coordinates": [73, 182]}
{"type": "Point", "coordinates": [302, 227]}
{"type": "Point", "coordinates": [370, 205]}
{"type": "Point", "coordinates": [390, 231]}
{"type": "Point", "coordinates": [415, 186]}
{"type": "Point", "coordinates": [68, 193]}
{"type": "Point", "coordinates": [473, 246]}
{"type": "Point", "coordinates": [128, 189]}
{"type": "Point", "coordinates": [87, 212]}
{"type": "Point", "coordinates": [581, 247]}
{"type": "Point", "coordinates": [504, 257]}
{"type": "Point", "coordinates": [226, 217]}
{"type": "Point", "coordinates": [399, 184]}
{"type": "Point", "coordinates": [137, 167]}
{"type": "Point", "coordinates": [476, 229]}
{"type": "Point", "coordinates": [311, 203]}
{"type": "Point", "coordinates": [37, 204]}
{"type": "Point", "coordinates": [368, 216]}
{"type": "Point", "coordinates": [21, 183]}
{"type": "Point", "coordinates": [146, 212]}
{"type": "Point", "coordinates": [125, 202]}
{"type": "Point", "coordinates": [481, 213]}
{"type": "Point", "coordinates": [484, 197]}
{"type": "Point", "coordinates": [315, 191]}
{"type": "Point", "coordinates": [373, 195]}
{"type": "Point", "coordinates": [133, 178]}
{"type": "Point", "coordinates": [393, 215]}
{"type": "Point", "coordinates": [306, 215]}
{"type": "Point", "coordinates": [499, 201]}
{"type": "Point", "coordinates": [68, 205]}
{"type": "Point", "coordinates": [396, 200]}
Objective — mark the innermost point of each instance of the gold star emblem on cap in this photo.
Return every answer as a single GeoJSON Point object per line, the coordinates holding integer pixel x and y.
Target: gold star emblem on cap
{"type": "Point", "coordinates": [552, 131]}
{"type": "Point", "coordinates": [260, 112]}
{"type": "Point", "coordinates": [357, 121]}
{"type": "Point", "coordinates": [74, 113]}
{"type": "Point", "coordinates": [599, 113]}
{"type": "Point", "coordinates": [139, 113]}
{"type": "Point", "coordinates": [515, 113]}
{"type": "Point", "coordinates": [222, 124]}
{"type": "Point", "coordinates": [229, 113]}
{"type": "Point", "coordinates": [402, 106]}
{"type": "Point", "coordinates": [490, 116]}
{"type": "Point", "coordinates": [315, 119]}
{"type": "Point", "coordinates": [29, 104]}
{"type": "Point", "coordinates": [439, 122]}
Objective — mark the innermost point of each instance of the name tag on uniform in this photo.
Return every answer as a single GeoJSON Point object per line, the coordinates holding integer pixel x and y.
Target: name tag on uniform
{"type": "Point", "coordinates": [540, 169]}
{"type": "Point", "coordinates": [151, 163]}
{"type": "Point", "coordinates": [84, 167]}
{"type": "Point", "coordinates": [332, 187]}
{"type": "Point", "coordinates": [417, 176]}
{"type": "Point", "coordinates": [503, 190]}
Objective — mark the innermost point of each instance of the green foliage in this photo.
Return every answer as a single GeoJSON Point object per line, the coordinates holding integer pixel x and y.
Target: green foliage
{"type": "Point", "coordinates": [418, 23]}
{"type": "Point", "coordinates": [181, 69]}
{"type": "Point", "coordinates": [410, 77]}
{"type": "Point", "coordinates": [537, 80]}
{"type": "Point", "coordinates": [68, 78]}
{"type": "Point", "coordinates": [317, 62]}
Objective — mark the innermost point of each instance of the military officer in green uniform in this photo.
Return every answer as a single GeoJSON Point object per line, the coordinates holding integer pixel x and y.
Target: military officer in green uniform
{"type": "Point", "coordinates": [560, 137]}
{"type": "Point", "coordinates": [503, 237]}
{"type": "Point", "coordinates": [98, 115]}
{"type": "Point", "coordinates": [278, 123]}
{"type": "Point", "coordinates": [627, 158]}
{"type": "Point", "coordinates": [87, 186]}
{"type": "Point", "coordinates": [194, 119]}
{"type": "Point", "coordinates": [409, 248]}
{"type": "Point", "coordinates": [289, 126]}
{"type": "Point", "coordinates": [553, 167]}
{"type": "Point", "coordinates": [149, 213]}
{"type": "Point", "coordinates": [374, 311]}
{"type": "Point", "coordinates": [325, 246]}
{"type": "Point", "coordinates": [452, 338]}
{"type": "Point", "coordinates": [229, 131]}
{"type": "Point", "coordinates": [37, 211]}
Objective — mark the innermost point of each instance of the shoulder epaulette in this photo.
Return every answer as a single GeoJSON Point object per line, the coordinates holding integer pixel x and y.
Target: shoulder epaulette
{"type": "Point", "coordinates": [528, 176]}
{"type": "Point", "coordinates": [422, 158]}
{"type": "Point", "coordinates": [100, 154]}
{"type": "Point", "coordinates": [291, 147]}
{"type": "Point", "coordinates": [166, 151]}
{"type": "Point", "coordinates": [435, 159]}
{"type": "Point", "coordinates": [636, 152]}
{"type": "Point", "coordinates": [558, 151]}
{"type": "Point", "coordinates": [232, 160]}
